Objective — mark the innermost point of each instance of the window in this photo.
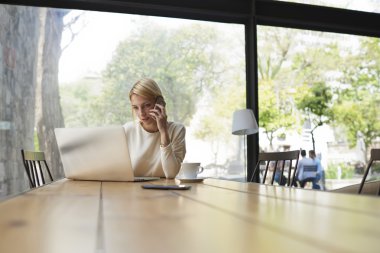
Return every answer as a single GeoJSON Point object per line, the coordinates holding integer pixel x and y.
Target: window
{"type": "Point", "coordinates": [42, 87]}
{"type": "Point", "coordinates": [74, 68]}
{"type": "Point", "coordinates": [199, 65]}
{"type": "Point", "coordinates": [319, 90]}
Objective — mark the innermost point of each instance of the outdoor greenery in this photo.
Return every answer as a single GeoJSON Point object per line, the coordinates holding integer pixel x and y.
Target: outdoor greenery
{"type": "Point", "coordinates": [322, 82]}
{"type": "Point", "coordinates": [192, 72]}
{"type": "Point", "coordinates": [276, 110]}
{"type": "Point", "coordinates": [347, 171]}
{"type": "Point", "coordinates": [182, 61]}
{"type": "Point", "coordinates": [358, 99]}
{"type": "Point", "coordinates": [375, 168]}
{"type": "Point", "coordinates": [340, 171]}
{"type": "Point", "coordinates": [315, 103]}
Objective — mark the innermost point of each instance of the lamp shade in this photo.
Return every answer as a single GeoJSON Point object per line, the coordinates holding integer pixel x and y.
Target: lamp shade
{"type": "Point", "coordinates": [244, 122]}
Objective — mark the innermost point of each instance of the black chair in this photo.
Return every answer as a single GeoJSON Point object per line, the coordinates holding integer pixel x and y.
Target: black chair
{"type": "Point", "coordinates": [278, 161]}
{"type": "Point", "coordinates": [375, 156]}
{"type": "Point", "coordinates": [35, 165]}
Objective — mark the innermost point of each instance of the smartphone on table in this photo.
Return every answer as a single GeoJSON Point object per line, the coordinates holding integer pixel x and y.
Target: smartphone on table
{"type": "Point", "coordinates": [166, 187]}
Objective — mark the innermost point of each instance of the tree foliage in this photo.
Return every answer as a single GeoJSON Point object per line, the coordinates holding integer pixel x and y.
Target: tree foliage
{"type": "Point", "coordinates": [276, 114]}
{"type": "Point", "coordinates": [347, 96]}
{"type": "Point", "coordinates": [180, 60]}
{"type": "Point", "coordinates": [360, 117]}
{"type": "Point", "coordinates": [323, 82]}
{"type": "Point", "coordinates": [315, 102]}
{"type": "Point", "coordinates": [358, 98]}
{"type": "Point", "coordinates": [78, 102]}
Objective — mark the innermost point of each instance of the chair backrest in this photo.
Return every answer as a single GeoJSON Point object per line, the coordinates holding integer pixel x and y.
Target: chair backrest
{"type": "Point", "coordinates": [278, 161]}
{"type": "Point", "coordinates": [375, 156]}
{"type": "Point", "coordinates": [35, 166]}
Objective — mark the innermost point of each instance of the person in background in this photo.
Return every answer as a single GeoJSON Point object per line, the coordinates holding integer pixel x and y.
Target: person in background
{"type": "Point", "coordinates": [302, 179]}
{"type": "Point", "coordinates": [299, 175]}
{"type": "Point", "coordinates": [277, 173]}
{"type": "Point", "coordinates": [322, 181]}
{"type": "Point", "coordinates": [157, 147]}
{"type": "Point", "coordinates": [318, 177]}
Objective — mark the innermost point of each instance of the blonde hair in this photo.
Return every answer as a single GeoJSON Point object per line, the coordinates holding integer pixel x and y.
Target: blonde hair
{"type": "Point", "coordinates": [147, 88]}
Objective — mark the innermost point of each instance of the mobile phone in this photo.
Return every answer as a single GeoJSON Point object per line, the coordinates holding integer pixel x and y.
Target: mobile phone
{"type": "Point", "coordinates": [160, 100]}
{"type": "Point", "coordinates": [166, 187]}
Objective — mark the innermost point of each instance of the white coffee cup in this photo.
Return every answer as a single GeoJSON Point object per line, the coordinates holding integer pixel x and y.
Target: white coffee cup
{"type": "Point", "coordinates": [190, 170]}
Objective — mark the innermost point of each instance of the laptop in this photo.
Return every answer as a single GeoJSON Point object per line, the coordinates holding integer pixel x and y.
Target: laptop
{"type": "Point", "coordinates": [98, 153]}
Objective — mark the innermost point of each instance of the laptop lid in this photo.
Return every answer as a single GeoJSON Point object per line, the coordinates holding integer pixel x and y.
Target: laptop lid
{"type": "Point", "coordinates": [98, 153]}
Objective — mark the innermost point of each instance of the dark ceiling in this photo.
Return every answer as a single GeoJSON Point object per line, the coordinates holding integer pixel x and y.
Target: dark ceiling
{"type": "Point", "coordinates": [262, 12]}
{"type": "Point", "coordinates": [213, 10]}
{"type": "Point", "coordinates": [235, 6]}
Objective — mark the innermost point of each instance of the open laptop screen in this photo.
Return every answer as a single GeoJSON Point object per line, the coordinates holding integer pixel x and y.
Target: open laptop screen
{"type": "Point", "coordinates": [98, 153]}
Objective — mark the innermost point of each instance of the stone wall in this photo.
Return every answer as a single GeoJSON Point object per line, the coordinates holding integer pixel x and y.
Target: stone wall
{"type": "Point", "coordinates": [19, 30]}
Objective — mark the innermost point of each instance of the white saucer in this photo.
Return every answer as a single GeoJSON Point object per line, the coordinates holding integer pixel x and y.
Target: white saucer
{"type": "Point", "coordinates": [190, 180]}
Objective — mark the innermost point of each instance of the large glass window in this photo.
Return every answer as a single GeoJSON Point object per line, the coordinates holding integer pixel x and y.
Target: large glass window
{"type": "Point", "coordinates": [199, 65]}
{"type": "Point", "coordinates": [320, 91]}
{"type": "Point", "coordinates": [74, 68]}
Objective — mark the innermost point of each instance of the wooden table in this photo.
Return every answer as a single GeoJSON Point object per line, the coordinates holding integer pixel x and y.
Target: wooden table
{"type": "Point", "coordinates": [214, 216]}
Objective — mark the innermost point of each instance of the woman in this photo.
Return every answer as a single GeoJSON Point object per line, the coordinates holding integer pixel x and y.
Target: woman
{"type": "Point", "coordinates": [157, 147]}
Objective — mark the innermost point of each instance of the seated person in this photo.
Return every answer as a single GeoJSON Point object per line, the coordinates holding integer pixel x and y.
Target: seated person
{"type": "Point", "coordinates": [157, 146]}
{"type": "Point", "coordinates": [277, 173]}
{"type": "Point", "coordinates": [303, 176]}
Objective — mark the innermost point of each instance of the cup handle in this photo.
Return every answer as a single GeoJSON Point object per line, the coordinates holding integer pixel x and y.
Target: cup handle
{"type": "Point", "coordinates": [201, 170]}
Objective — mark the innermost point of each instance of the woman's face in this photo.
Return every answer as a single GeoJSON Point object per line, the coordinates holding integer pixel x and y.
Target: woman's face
{"type": "Point", "coordinates": [141, 106]}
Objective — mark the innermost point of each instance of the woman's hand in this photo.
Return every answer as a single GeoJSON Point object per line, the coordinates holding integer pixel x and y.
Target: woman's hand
{"type": "Point", "coordinates": [159, 115]}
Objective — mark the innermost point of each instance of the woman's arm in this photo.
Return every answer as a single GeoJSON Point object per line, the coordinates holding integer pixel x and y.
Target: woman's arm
{"type": "Point", "coordinates": [173, 154]}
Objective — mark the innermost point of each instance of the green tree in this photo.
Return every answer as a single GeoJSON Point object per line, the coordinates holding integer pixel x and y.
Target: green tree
{"type": "Point", "coordinates": [315, 101]}
{"type": "Point", "coordinates": [315, 70]}
{"type": "Point", "coordinates": [318, 62]}
{"type": "Point", "coordinates": [216, 126]}
{"type": "Point", "coordinates": [276, 112]}
{"type": "Point", "coordinates": [358, 99]}
{"type": "Point", "coordinates": [77, 100]}
{"type": "Point", "coordinates": [361, 120]}
{"type": "Point", "coordinates": [218, 104]}
{"type": "Point", "coordinates": [180, 60]}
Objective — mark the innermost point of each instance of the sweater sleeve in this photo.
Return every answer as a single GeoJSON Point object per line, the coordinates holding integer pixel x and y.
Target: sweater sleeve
{"type": "Point", "coordinates": [173, 154]}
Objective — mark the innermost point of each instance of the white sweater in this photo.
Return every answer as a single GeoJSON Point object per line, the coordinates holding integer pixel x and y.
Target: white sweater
{"type": "Point", "coordinates": [148, 158]}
